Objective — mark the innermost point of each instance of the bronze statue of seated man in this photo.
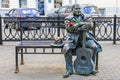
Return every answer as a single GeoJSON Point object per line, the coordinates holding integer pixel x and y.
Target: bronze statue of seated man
{"type": "Point", "coordinates": [75, 24]}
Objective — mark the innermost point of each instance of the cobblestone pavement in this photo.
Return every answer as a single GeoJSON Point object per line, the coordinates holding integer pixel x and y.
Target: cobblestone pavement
{"type": "Point", "coordinates": [52, 67]}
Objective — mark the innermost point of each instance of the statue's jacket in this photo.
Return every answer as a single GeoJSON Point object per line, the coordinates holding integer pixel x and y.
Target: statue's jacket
{"type": "Point", "coordinates": [74, 33]}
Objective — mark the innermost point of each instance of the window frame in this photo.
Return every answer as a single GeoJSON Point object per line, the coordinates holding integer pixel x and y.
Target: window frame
{"type": "Point", "coordinates": [5, 3]}
{"type": "Point", "coordinates": [22, 3]}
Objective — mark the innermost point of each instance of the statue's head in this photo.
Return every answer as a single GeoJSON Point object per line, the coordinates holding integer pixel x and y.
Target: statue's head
{"type": "Point", "coordinates": [76, 10]}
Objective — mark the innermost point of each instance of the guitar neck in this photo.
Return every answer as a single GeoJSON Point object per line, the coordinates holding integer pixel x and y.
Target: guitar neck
{"type": "Point", "coordinates": [84, 39]}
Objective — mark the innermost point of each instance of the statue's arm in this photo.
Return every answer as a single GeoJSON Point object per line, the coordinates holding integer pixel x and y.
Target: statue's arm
{"type": "Point", "coordinates": [70, 26]}
{"type": "Point", "coordinates": [76, 27]}
{"type": "Point", "coordinates": [86, 25]}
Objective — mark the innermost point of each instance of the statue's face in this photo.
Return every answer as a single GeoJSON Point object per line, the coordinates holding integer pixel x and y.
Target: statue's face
{"type": "Point", "coordinates": [76, 10]}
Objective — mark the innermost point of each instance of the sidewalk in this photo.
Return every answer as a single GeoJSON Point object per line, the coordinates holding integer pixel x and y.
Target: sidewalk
{"type": "Point", "coordinates": [52, 67]}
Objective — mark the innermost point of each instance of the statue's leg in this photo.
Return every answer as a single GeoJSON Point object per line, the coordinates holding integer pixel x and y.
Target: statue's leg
{"type": "Point", "coordinates": [69, 66]}
{"type": "Point", "coordinates": [92, 45]}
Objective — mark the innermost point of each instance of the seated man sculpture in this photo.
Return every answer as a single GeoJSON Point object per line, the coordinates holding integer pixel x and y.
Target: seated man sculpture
{"type": "Point", "coordinates": [75, 23]}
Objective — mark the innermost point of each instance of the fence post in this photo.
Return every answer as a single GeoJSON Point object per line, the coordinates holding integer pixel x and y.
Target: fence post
{"type": "Point", "coordinates": [21, 30]}
{"type": "Point", "coordinates": [0, 30]}
{"type": "Point", "coordinates": [114, 29]}
{"type": "Point", "coordinates": [58, 19]}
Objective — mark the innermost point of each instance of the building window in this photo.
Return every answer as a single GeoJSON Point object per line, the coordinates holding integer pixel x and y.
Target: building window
{"type": "Point", "coordinates": [41, 6]}
{"type": "Point", "coordinates": [102, 11]}
{"type": "Point", "coordinates": [57, 3]}
{"type": "Point", "coordinates": [23, 3]}
{"type": "Point", "coordinates": [5, 3]}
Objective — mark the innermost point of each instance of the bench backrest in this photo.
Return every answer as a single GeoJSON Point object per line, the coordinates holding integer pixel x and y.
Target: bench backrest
{"type": "Point", "coordinates": [42, 29]}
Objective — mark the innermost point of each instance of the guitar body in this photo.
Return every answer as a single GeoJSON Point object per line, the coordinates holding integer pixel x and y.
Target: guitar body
{"type": "Point", "coordinates": [83, 64]}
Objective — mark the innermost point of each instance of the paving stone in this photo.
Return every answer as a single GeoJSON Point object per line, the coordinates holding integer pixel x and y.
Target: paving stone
{"type": "Point", "coordinates": [52, 67]}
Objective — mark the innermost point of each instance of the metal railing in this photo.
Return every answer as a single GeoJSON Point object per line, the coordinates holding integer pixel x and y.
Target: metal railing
{"type": "Point", "coordinates": [13, 29]}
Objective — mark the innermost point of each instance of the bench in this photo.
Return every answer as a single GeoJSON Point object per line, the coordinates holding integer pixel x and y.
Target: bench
{"type": "Point", "coordinates": [37, 40]}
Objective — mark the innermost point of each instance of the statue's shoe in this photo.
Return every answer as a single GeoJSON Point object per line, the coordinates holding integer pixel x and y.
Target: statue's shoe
{"type": "Point", "coordinates": [68, 73]}
{"type": "Point", "coordinates": [93, 72]}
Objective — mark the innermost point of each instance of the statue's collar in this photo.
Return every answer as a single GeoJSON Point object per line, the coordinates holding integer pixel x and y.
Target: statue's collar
{"type": "Point", "coordinates": [77, 18]}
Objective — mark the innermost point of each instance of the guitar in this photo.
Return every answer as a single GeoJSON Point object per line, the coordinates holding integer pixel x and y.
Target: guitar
{"type": "Point", "coordinates": [83, 63]}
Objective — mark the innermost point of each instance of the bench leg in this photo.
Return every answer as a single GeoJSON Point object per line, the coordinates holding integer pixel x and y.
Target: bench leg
{"type": "Point", "coordinates": [22, 61]}
{"type": "Point", "coordinates": [16, 60]}
{"type": "Point", "coordinates": [96, 67]}
{"type": "Point", "coordinates": [93, 58]}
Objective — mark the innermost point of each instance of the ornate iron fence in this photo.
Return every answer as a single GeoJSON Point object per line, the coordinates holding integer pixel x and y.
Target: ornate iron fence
{"type": "Point", "coordinates": [15, 29]}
